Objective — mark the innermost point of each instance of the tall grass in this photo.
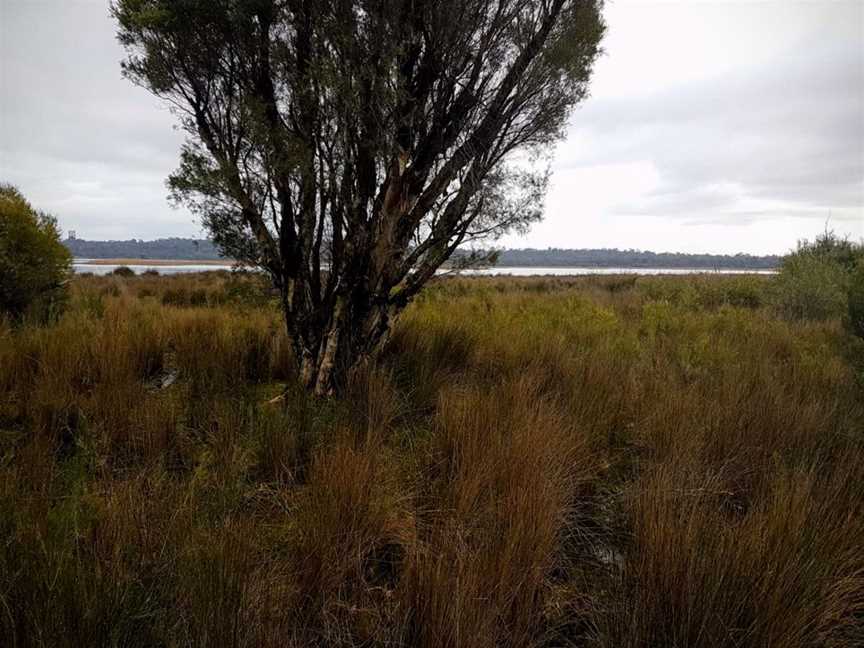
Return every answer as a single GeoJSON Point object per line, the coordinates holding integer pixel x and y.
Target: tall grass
{"type": "Point", "coordinates": [531, 462]}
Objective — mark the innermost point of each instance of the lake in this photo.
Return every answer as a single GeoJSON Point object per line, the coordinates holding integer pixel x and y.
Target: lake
{"type": "Point", "coordinates": [85, 265]}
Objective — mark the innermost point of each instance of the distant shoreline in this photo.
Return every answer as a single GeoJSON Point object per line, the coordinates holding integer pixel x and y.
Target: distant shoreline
{"type": "Point", "coordinates": [203, 252]}
{"type": "Point", "coordinates": [225, 263]}
{"type": "Point", "coordinates": [181, 266]}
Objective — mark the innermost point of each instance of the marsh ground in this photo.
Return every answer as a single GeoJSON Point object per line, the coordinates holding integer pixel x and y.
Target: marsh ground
{"type": "Point", "coordinates": [602, 461]}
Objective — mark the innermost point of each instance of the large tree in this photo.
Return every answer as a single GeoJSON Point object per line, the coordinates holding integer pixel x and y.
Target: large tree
{"type": "Point", "coordinates": [350, 148]}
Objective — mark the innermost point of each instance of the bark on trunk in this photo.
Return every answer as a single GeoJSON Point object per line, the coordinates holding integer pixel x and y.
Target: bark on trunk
{"type": "Point", "coordinates": [324, 380]}
{"type": "Point", "coordinates": [345, 346]}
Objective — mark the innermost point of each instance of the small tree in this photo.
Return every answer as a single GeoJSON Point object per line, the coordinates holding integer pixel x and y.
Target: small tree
{"type": "Point", "coordinates": [856, 296]}
{"type": "Point", "coordinates": [823, 279]}
{"type": "Point", "coordinates": [34, 264]}
{"type": "Point", "coordinates": [811, 287]}
{"type": "Point", "coordinates": [349, 148]}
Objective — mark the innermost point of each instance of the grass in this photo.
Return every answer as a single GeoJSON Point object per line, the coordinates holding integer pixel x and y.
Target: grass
{"type": "Point", "coordinates": [532, 462]}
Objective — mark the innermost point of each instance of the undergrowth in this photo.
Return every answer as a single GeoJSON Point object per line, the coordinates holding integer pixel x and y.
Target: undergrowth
{"type": "Point", "coordinates": [608, 462]}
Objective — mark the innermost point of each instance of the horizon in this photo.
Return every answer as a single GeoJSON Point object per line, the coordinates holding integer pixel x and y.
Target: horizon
{"type": "Point", "coordinates": [502, 249]}
{"type": "Point", "coordinates": [683, 144]}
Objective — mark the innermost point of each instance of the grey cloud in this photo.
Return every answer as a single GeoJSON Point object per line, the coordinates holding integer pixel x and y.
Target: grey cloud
{"type": "Point", "coordinates": [78, 139]}
{"type": "Point", "coordinates": [791, 131]}
{"type": "Point", "coordinates": [770, 138]}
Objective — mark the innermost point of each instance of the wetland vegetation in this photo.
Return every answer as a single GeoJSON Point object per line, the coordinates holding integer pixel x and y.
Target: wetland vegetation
{"type": "Point", "coordinates": [598, 461]}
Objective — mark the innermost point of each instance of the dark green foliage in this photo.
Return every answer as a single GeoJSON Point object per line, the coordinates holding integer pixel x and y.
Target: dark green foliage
{"type": "Point", "coordinates": [810, 287]}
{"type": "Point", "coordinates": [856, 298]}
{"type": "Point", "coordinates": [350, 148]}
{"type": "Point", "coordinates": [34, 265]}
{"type": "Point", "coordinates": [822, 280]}
{"type": "Point", "coordinates": [829, 247]}
{"type": "Point", "coordinates": [123, 271]}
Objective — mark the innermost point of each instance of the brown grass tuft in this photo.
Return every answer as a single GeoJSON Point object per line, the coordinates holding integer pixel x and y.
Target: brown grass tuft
{"type": "Point", "coordinates": [607, 461]}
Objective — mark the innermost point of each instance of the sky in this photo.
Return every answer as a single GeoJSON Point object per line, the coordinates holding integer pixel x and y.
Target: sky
{"type": "Point", "coordinates": [712, 126]}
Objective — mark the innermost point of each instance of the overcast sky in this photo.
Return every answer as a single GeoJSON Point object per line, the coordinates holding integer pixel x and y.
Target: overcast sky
{"type": "Point", "coordinates": [712, 127]}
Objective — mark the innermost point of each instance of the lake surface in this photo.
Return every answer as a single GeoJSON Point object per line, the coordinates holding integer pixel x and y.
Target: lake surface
{"type": "Point", "coordinates": [82, 265]}
{"type": "Point", "coordinates": [571, 272]}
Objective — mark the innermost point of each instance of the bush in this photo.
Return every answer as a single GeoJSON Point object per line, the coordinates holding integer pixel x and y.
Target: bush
{"type": "Point", "coordinates": [811, 287]}
{"type": "Point", "coordinates": [842, 251]}
{"type": "Point", "coordinates": [34, 264]}
{"type": "Point", "coordinates": [123, 271]}
{"type": "Point", "coordinates": [856, 299]}
{"type": "Point", "coordinates": [823, 280]}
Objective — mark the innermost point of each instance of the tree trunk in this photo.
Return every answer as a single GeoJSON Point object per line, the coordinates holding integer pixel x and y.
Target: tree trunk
{"type": "Point", "coordinates": [329, 354]}
{"type": "Point", "coordinates": [356, 330]}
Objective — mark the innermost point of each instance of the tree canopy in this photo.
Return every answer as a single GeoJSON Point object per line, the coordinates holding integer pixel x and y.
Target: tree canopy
{"type": "Point", "coordinates": [34, 264]}
{"type": "Point", "coordinates": [349, 148]}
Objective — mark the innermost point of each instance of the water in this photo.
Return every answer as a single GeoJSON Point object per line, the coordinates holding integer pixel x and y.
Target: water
{"type": "Point", "coordinates": [571, 272]}
{"type": "Point", "coordinates": [82, 265]}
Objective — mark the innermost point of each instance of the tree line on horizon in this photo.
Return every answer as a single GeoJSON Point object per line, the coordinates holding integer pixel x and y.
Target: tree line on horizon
{"type": "Point", "coordinates": [205, 250]}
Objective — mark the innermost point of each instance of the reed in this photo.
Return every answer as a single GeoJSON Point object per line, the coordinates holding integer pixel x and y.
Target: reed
{"type": "Point", "coordinates": [604, 461]}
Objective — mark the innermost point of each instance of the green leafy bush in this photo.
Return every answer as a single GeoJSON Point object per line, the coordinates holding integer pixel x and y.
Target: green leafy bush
{"type": "Point", "coordinates": [823, 280]}
{"type": "Point", "coordinates": [811, 287]}
{"type": "Point", "coordinates": [123, 271]}
{"type": "Point", "coordinates": [856, 298]}
{"type": "Point", "coordinates": [34, 264]}
{"type": "Point", "coordinates": [829, 246]}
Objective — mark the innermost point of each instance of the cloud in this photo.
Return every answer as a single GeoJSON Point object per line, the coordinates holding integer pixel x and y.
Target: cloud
{"type": "Point", "coordinates": [79, 140]}
{"type": "Point", "coordinates": [793, 134]}
{"type": "Point", "coordinates": [745, 121]}
{"type": "Point", "coordinates": [713, 126]}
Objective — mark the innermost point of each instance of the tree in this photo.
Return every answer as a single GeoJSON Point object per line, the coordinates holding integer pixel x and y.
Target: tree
{"type": "Point", "coordinates": [811, 287]}
{"type": "Point", "coordinates": [823, 279]}
{"type": "Point", "coordinates": [349, 148]}
{"type": "Point", "coordinates": [34, 264]}
{"type": "Point", "coordinates": [856, 296]}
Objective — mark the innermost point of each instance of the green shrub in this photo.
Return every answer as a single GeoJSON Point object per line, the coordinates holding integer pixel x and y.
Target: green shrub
{"type": "Point", "coordinates": [198, 297]}
{"type": "Point", "coordinates": [744, 291]}
{"type": "Point", "coordinates": [856, 299]}
{"type": "Point", "coordinates": [34, 264]}
{"type": "Point", "coordinates": [842, 251]}
{"type": "Point", "coordinates": [247, 289]}
{"type": "Point", "coordinates": [823, 280]}
{"type": "Point", "coordinates": [175, 297]}
{"type": "Point", "coordinates": [811, 287]}
{"type": "Point", "coordinates": [123, 271]}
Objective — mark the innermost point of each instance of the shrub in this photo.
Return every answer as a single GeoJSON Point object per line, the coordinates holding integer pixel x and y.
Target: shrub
{"type": "Point", "coordinates": [856, 299]}
{"type": "Point", "coordinates": [175, 297]}
{"type": "Point", "coordinates": [198, 297]}
{"type": "Point", "coordinates": [811, 287]}
{"type": "Point", "coordinates": [123, 271]}
{"type": "Point", "coordinates": [822, 280]}
{"type": "Point", "coordinates": [34, 264]}
{"type": "Point", "coordinates": [842, 251]}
